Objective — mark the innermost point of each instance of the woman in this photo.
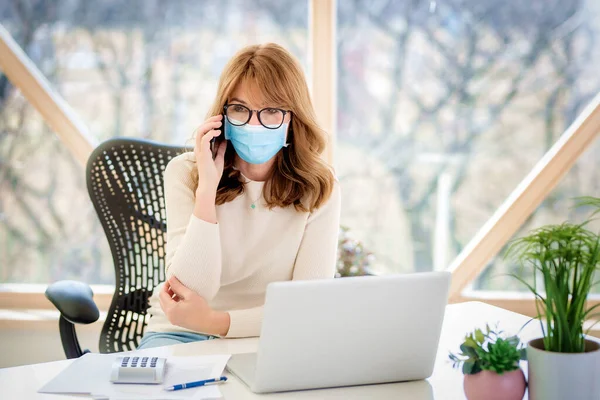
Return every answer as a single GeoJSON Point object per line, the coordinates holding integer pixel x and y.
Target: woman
{"type": "Point", "coordinates": [265, 209]}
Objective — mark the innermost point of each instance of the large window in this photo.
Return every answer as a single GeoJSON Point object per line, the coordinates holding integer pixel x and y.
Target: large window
{"type": "Point", "coordinates": [146, 69]}
{"type": "Point", "coordinates": [445, 106]}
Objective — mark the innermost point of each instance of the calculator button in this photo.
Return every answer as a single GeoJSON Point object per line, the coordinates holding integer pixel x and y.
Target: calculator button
{"type": "Point", "coordinates": [154, 359]}
{"type": "Point", "coordinates": [145, 359]}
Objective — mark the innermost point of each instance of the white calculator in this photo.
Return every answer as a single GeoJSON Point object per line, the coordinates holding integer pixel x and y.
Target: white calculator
{"type": "Point", "coordinates": [134, 369]}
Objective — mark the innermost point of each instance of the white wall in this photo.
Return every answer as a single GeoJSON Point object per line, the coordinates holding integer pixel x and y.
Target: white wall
{"type": "Point", "coordinates": [29, 345]}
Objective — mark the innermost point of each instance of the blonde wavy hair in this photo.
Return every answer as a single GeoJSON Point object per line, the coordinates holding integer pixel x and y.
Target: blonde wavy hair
{"type": "Point", "coordinates": [300, 177]}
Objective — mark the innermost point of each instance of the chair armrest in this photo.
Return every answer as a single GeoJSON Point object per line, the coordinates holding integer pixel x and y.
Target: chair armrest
{"type": "Point", "coordinates": [74, 301]}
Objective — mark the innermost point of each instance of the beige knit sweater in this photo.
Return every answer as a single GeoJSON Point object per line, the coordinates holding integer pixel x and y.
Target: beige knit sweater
{"type": "Point", "coordinates": [231, 263]}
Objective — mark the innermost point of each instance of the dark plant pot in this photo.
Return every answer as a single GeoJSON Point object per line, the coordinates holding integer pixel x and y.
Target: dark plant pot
{"type": "Point", "coordinates": [488, 385]}
{"type": "Point", "coordinates": [559, 376]}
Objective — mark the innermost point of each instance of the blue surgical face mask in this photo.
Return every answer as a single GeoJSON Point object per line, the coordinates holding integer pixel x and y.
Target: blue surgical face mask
{"type": "Point", "coordinates": [255, 144]}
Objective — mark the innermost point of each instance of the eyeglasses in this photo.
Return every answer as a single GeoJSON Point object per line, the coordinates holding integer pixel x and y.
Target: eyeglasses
{"type": "Point", "coordinates": [238, 115]}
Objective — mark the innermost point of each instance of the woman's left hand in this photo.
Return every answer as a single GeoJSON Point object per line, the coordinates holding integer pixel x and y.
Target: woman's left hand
{"type": "Point", "coordinates": [186, 308]}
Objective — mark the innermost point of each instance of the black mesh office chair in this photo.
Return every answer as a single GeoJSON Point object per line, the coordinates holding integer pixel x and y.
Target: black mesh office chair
{"type": "Point", "coordinates": [125, 183]}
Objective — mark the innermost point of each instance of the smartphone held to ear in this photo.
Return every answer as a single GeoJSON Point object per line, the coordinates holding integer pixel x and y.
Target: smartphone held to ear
{"type": "Point", "coordinates": [216, 142]}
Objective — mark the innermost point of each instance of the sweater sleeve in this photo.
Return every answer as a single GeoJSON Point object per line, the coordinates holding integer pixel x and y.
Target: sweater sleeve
{"type": "Point", "coordinates": [316, 259]}
{"type": "Point", "coordinates": [193, 245]}
{"type": "Point", "coordinates": [317, 255]}
{"type": "Point", "coordinates": [245, 323]}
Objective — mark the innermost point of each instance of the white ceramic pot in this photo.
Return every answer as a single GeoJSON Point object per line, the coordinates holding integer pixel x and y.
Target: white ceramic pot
{"type": "Point", "coordinates": [560, 376]}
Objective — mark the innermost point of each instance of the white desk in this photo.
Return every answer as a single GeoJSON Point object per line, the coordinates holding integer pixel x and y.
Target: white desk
{"type": "Point", "coordinates": [446, 383]}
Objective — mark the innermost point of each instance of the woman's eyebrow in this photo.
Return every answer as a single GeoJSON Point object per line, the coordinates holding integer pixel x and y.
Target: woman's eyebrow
{"type": "Point", "coordinates": [246, 104]}
{"type": "Point", "coordinates": [239, 100]}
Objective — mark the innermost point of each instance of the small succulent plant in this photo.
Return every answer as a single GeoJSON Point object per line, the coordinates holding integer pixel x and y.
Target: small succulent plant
{"type": "Point", "coordinates": [488, 351]}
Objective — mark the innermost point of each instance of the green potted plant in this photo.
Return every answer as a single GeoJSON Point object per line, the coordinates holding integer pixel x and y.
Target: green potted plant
{"type": "Point", "coordinates": [490, 364]}
{"type": "Point", "coordinates": [562, 260]}
{"type": "Point", "coordinates": [353, 259]}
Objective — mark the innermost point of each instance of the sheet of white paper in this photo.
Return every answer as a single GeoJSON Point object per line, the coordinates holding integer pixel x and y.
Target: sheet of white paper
{"type": "Point", "coordinates": [84, 375]}
{"type": "Point", "coordinates": [179, 370]}
{"type": "Point", "coordinates": [90, 374]}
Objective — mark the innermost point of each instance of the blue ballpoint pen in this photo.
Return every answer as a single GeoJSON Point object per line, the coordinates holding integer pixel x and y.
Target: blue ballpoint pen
{"type": "Point", "coordinates": [197, 383]}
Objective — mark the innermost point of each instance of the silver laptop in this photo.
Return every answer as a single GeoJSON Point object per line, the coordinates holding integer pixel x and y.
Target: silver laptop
{"type": "Point", "coordinates": [347, 331]}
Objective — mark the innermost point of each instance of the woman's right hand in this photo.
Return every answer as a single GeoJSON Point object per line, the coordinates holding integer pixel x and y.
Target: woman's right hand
{"type": "Point", "coordinates": [209, 170]}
